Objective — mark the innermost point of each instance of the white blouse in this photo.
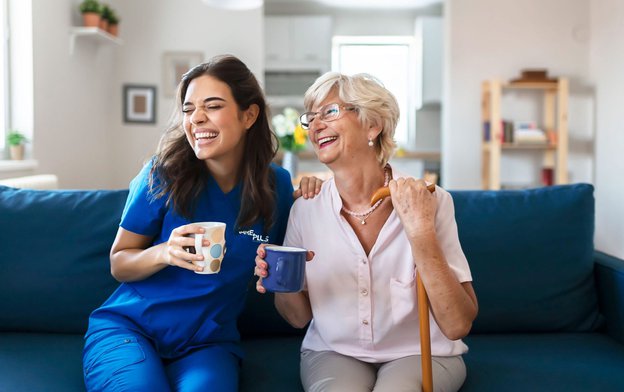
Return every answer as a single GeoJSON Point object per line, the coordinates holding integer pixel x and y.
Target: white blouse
{"type": "Point", "coordinates": [366, 306]}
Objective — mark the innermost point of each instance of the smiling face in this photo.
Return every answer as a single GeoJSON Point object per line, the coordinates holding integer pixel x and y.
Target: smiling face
{"type": "Point", "coordinates": [339, 140]}
{"type": "Point", "coordinates": [214, 125]}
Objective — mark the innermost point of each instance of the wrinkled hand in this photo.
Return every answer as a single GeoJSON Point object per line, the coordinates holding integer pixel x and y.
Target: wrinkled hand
{"type": "Point", "coordinates": [415, 205]}
{"type": "Point", "coordinates": [308, 187]}
{"type": "Point", "coordinates": [177, 251]}
{"type": "Point", "coordinates": [261, 269]}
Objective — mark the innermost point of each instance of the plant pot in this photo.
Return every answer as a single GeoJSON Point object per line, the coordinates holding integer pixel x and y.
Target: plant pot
{"type": "Point", "coordinates": [91, 19]}
{"type": "Point", "coordinates": [104, 24]}
{"type": "Point", "coordinates": [113, 29]}
{"type": "Point", "coordinates": [16, 152]}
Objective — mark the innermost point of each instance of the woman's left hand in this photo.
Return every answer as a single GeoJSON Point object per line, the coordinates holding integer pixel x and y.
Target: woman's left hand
{"type": "Point", "coordinates": [308, 187]}
{"type": "Point", "coordinates": [415, 205]}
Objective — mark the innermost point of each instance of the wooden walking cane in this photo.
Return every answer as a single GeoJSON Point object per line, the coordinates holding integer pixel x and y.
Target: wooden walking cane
{"type": "Point", "coordinates": [423, 310]}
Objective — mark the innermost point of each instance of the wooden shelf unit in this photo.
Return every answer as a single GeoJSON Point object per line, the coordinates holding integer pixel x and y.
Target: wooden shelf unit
{"type": "Point", "coordinates": [554, 123]}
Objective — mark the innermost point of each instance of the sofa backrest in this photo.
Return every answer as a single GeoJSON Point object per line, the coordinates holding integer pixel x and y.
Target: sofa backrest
{"type": "Point", "coordinates": [531, 257]}
{"type": "Point", "coordinates": [54, 257]}
{"type": "Point", "coordinates": [530, 253]}
{"type": "Point", "coordinates": [55, 268]}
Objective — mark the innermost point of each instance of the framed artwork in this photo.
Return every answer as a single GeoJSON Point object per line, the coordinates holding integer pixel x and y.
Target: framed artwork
{"type": "Point", "coordinates": [139, 104]}
{"type": "Point", "coordinates": [175, 64]}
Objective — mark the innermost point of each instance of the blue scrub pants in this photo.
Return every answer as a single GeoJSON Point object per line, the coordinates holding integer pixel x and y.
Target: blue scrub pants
{"type": "Point", "coordinates": [123, 360]}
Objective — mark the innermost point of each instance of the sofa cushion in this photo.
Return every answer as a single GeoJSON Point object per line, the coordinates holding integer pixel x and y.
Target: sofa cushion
{"type": "Point", "coordinates": [531, 256]}
{"type": "Point", "coordinates": [271, 365]}
{"type": "Point", "coordinates": [543, 363]}
{"type": "Point", "coordinates": [41, 362]}
{"type": "Point", "coordinates": [54, 263]}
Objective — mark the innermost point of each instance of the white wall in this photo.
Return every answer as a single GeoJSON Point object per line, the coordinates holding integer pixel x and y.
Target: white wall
{"type": "Point", "coordinates": [152, 27]}
{"type": "Point", "coordinates": [77, 128]}
{"type": "Point", "coordinates": [496, 39]}
{"type": "Point", "coordinates": [71, 100]}
{"type": "Point", "coordinates": [606, 65]}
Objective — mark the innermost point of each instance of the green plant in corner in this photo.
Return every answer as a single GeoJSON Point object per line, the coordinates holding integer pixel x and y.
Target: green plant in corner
{"type": "Point", "coordinates": [90, 6]}
{"type": "Point", "coordinates": [15, 138]}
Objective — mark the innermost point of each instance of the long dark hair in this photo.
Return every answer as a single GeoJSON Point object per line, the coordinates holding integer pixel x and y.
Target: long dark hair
{"type": "Point", "coordinates": [176, 171]}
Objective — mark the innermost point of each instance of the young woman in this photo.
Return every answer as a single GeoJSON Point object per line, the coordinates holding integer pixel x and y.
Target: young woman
{"type": "Point", "coordinates": [166, 327]}
{"type": "Point", "coordinates": [360, 296]}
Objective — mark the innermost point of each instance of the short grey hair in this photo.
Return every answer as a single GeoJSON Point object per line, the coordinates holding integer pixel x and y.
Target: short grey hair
{"type": "Point", "coordinates": [376, 105]}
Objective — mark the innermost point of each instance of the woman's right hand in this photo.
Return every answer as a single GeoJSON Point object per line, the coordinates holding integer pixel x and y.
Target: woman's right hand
{"type": "Point", "coordinates": [177, 251]}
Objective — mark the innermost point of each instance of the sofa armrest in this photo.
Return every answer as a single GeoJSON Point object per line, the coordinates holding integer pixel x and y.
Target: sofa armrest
{"type": "Point", "coordinates": [609, 272]}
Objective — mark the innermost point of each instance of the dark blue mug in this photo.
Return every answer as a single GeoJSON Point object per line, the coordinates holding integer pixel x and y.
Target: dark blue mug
{"type": "Point", "coordinates": [286, 269]}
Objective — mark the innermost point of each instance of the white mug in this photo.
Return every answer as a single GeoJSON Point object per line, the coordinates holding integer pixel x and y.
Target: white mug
{"type": "Point", "coordinates": [213, 253]}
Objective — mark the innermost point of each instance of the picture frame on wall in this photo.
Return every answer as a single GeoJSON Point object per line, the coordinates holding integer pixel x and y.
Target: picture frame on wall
{"type": "Point", "coordinates": [139, 104]}
{"type": "Point", "coordinates": [176, 64]}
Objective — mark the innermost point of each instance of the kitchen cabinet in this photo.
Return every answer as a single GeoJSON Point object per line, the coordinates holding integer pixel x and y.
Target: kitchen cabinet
{"type": "Point", "coordinates": [297, 43]}
{"type": "Point", "coordinates": [429, 33]}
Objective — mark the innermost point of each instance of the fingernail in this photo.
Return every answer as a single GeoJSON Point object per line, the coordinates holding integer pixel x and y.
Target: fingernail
{"type": "Point", "coordinates": [201, 264]}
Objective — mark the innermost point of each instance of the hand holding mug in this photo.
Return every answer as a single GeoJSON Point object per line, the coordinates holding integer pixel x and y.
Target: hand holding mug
{"type": "Point", "coordinates": [199, 247]}
{"type": "Point", "coordinates": [179, 245]}
{"type": "Point", "coordinates": [280, 268]}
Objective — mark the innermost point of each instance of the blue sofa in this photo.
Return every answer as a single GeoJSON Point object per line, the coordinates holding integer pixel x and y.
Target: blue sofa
{"type": "Point", "coordinates": [551, 309]}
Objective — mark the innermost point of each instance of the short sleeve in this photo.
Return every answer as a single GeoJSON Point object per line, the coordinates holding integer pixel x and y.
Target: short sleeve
{"type": "Point", "coordinates": [143, 213]}
{"type": "Point", "coordinates": [446, 229]}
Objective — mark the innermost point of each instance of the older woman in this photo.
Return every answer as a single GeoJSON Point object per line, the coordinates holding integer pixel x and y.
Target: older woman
{"type": "Point", "coordinates": [360, 291]}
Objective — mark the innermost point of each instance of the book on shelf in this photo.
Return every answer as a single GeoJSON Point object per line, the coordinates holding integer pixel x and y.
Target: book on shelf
{"type": "Point", "coordinates": [507, 134]}
{"type": "Point", "coordinates": [525, 136]}
{"type": "Point", "coordinates": [528, 132]}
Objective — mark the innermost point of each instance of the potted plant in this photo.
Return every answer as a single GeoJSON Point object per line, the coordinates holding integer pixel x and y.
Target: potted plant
{"type": "Point", "coordinates": [113, 23]}
{"type": "Point", "coordinates": [91, 11]}
{"type": "Point", "coordinates": [105, 17]}
{"type": "Point", "coordinates": [292, 138]}
{"type": "Point", "coordinates": [16, 141]}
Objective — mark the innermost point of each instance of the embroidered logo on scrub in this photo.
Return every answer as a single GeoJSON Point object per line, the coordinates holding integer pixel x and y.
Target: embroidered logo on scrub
{"type": "Point", "coordinates": [255, 237]}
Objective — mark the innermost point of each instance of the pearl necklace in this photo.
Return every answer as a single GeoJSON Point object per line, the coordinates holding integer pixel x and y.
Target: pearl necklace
{"type": "Point", "coordinates": [365, 214]}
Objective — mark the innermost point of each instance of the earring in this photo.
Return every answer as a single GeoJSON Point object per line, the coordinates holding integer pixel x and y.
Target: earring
{"type": "Point", "coordinates": [370, 143]}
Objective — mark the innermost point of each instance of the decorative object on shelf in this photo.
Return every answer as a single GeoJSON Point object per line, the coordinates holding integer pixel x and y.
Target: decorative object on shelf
{"type": "Point", "coordinates": [176, 64]}
{"type": "Point", "coordinates": [139, 104]}
{"type": "Point", "coordinates": [91, 11]}
{"type": "Point", "coordinates": [534, 75]}
{"type": "Point", "coordinates": [106, 13]}
{"type": "Point", "coordinates": [16, 141]}
{"type": "Point", "coordinates": [113, 22]}
{"type": "Point", "coordinates": [292, 138]}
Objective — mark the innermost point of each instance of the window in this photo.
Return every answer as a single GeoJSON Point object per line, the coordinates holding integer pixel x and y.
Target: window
{"type": "Point", "coordinates": [391, 59]}
{"type": "Point", "coordinates": [4, 74]}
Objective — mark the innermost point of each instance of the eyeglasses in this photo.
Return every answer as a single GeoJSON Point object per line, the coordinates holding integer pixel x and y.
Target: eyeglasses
{"type": "Point", "coordinates": [330, 112]}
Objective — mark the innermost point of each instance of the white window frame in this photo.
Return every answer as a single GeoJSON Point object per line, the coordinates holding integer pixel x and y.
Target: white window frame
{"type": "Point", "coordinates": [408, 140]}
{"type": "Point", "coordinates": [5, 111]}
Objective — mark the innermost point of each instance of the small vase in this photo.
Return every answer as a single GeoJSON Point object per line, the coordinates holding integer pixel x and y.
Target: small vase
{"type": "Point", "coordinates": [17, 152]}
{"type": "Point", "coordinates": [290, 161]}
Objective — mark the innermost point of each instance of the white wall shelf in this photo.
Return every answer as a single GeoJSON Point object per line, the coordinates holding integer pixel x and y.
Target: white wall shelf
{"type": "Point", "coordinates": [92, 34]}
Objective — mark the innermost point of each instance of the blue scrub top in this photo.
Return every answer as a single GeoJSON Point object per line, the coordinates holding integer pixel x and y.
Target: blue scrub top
{"type": "Point", "coordinates": [177, 309]}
